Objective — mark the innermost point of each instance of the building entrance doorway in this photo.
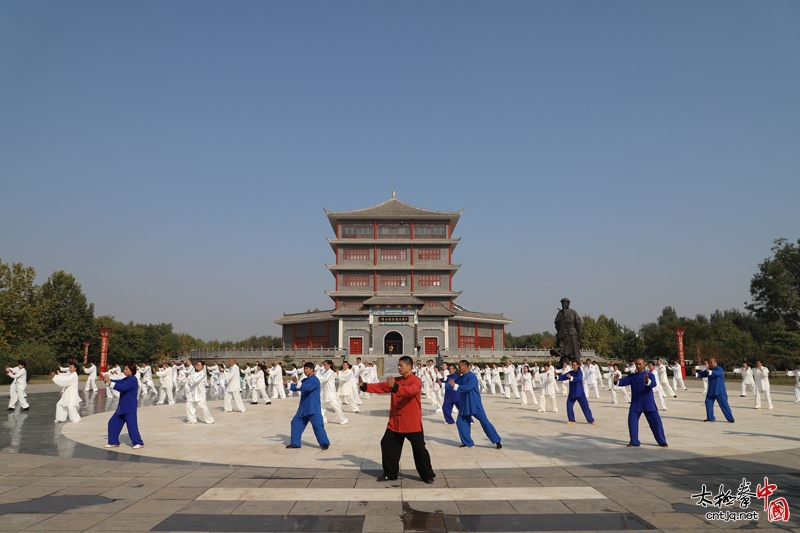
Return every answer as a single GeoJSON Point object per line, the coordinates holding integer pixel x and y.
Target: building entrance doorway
{"type": "Point", "coordinates": [393, 343]}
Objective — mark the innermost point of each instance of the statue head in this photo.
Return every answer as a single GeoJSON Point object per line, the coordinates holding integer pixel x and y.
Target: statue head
{"type": "Point", "coordinates": [565, 303]}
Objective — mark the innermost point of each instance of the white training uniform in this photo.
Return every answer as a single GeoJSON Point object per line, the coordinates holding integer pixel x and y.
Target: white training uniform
{"type": "Point", "coordinates": [659, 391]}
{"type": "Point", "coordinates": [548, 389]}
{"type": "Point", "coordinates": [664, 381]}
{"type": "Point", "coordinates": [761, 377]}
{"type": "Point", "coordinates": [67, 406]}
{"type": "Point", "coordinates": [18, 386]}
{"type": "Point", "coordinates": [259, 386]}
{"type": "Point", "coordinates": [613, 388]}
{"type": "Point", "coordinates": [495, 380]}
{"type": "Point", "coordinates": [747, 380]}
{"type": "Point", "coordinates": [527, 388]}
{"type": "Point", "coordinates": [797, 385]}
{"type": "Point", "coordinates": [511, 381]}
{"type": "Point", "coordinates": [196, 398]}
{"type": "Point", "coordinates": [677, 377]}
{"type": "Point", "coordinates": [293, 373]}
{"type": "Point", "coordinates": [91, 381]}
{"type": "Point", "coordinates": [348, 388]}
{"type": "Point", "coordinates": [276, 382]}
{"type": "Point", "coordinates": [327, 394]}
{"type": "Point", "coordinates": [146, 380]}
{"type": "Point", "coordinates": [564, 383]}
{"type": "Point", "coordinates": [233, 389]}
{"type": "Point", "coordinates": [165, 386]}
{"type": "Point", "coordinates": [594, 376]}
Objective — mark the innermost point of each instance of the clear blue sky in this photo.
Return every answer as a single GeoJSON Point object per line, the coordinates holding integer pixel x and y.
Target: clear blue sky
{"type": "Point", "coordinates": [176, 156]}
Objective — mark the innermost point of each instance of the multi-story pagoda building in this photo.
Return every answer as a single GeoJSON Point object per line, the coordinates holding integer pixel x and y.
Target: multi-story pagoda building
{"type": "Point", "coordinates": [393, 288]}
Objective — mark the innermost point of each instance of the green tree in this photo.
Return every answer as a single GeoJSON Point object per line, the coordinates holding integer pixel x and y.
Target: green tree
{"type": "Point", "coordinates": [775, 288]}
{"type": "Point", "coordinates": [66, 317]}
{"type": "Point", "coordinates": [19, 309]}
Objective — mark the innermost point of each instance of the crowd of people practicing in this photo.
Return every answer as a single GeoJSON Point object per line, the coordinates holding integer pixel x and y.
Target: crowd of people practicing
{"type": "Point", "coordinates": [454, 390]}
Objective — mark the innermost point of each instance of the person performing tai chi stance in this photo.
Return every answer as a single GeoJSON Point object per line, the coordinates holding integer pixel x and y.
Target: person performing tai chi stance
{"type": "Point", "coordinates": [761, 377]}
{"type": "Point", "coordinates": [548, 388]}
{"type": "Point", "coordinates": [19, 383]}
{"type": "Point", "coordinates": [716, 391]}
{"type": "Point", "coordinates": [576, 393]}
{"type": "Point", "coordinates": [67, 406]}
{"type": "Point", "coordinates": [677, 376]}
{"type": "Point", "coordinates": [309, 410]}
{"type": "Point", "coordinates": [276, 389]}
{"type": "Point", "coordinates": [196, 395]}
{"type": "Point", "coordinates": [327, 379]}
{"type": "Point", "coordinates": [471, 407]}
{"type": "Point", "coordinates": [259, 385]}
{"type": "Point", "coordinates": [591, 377]}
{"type": "Point", "coordinates": [527, 386]}
{"type": "Point", "coordinates": [451, 398]}
{"type": "Point", "coordinates": [233, 388]}
{"type": "Point", "coordinates": [662, 379]}
{"type": "Point", "coordinates": [510, 380]}
{"type": "Point", "coordinates": [91, 381]}
{"type": "Point", "coordinates": [616, 375]}
{"type": "Point", "coordinates": [747, 380]}
{"type": "Point", "coordinates": [125, 415]}
{"type": "Point", "coordinates": [642, 384]}
{"type": "Point", "coordinates": [165, 380]}
{"type": "Point", "coordinates": [405, 422]}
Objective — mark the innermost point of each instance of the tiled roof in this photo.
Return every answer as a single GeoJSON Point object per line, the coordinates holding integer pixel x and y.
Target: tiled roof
{"type": "Point", "coordinates": [393, 208]}
{"type": "Point", "coordinates": [463, 313]}
{"type": "Point", "coordinates": [389, 299]}
{"type": "Point", "coordinates": [351, 311]}
{"type": "Point", "coordinates": [436, 311]}
{"type": "Point", "coordinates": [310, 316]}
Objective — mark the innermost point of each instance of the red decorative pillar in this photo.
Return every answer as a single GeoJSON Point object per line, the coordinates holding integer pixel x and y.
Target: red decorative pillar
{"type": "Point", "coordinates": [104, 349]}
{"type": "Point", "coordinates": [679, 332]}
{"type": "Point", "coordinates": [86, 352]}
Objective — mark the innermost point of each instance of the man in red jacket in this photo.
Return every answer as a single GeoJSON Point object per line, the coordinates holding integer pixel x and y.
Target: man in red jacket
{"type": "Point", "coordinates": [405, 422]}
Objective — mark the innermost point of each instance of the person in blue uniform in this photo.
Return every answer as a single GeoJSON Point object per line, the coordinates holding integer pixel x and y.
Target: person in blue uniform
{"type": "Point", "coordinates": [125, 415]}
{"type": "Point", "coordinates": [642, 383]}
{"type": "Point", "coordinates": [716, 391]}
{"type": "Point", "coordinates": [309, 410]}
{"type": "Point", "coordinates": [576, 393]}
{"type": "Point", "coordinates": [451, 397]}
{"type": "Point", "coordinates": [470, 405]}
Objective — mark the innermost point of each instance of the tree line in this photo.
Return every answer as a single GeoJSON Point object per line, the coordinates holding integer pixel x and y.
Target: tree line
{"type": "Point", "coordinates": [768, 328]}
{"type": "Point", "coordinates": [47, 324]}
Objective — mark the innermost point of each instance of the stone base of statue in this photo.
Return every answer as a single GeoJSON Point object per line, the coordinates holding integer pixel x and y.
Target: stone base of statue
{"type": "Point", "coordinates": [564, 358]}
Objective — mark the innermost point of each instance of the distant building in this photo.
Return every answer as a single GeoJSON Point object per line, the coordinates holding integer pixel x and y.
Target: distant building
{"type": "Point", "coordinates": [394, 288]}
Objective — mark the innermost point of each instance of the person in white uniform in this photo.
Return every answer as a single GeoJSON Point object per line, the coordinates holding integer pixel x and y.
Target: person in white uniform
{"type": "Point", "coordinates": [291, 375]}
{"type": "Point", "coordinates": [67, 406]}
{"type": "Point", "coordinates": [233, 389]}
{"type": "Point", "coordinates": [260, 385]}
{"type": "Point", "coordinates": [19, 377]}
{"type": "Point", "coordinates": [677, 376]}
{"type": "Point", "coordinates": [495, 380]}
{"type": "Point", "coordinates": [327, 379]}
{"type": "Point", "coordinates": [593, 375]}
{"type": "Point", "coordinates": [91, 381]}
{"type": "Point", "coordinates": [276, 389]}
{"type": "Point", "coordinates": [657, 389]}
{"type": "Point", "coordinates": [348, 386]}
{"type": "Point", "coordinates": [197, 383]}
{"type": "Point", "coordinates": [548, 388]}
{"type": "Point", "coordinates": [761, 377]}
{"type": "Point", "coordinates": [747, 380]}
{"type": "Point", "coordinates": [663, 380]}
{"type": "Point", "coordinates": [166, 386]}
{"type": "Point", "coordinates": [527, 386]}
{"type": "Point", "coordinates": [797, 384]}
{"type": "Point", "coordinates": [510, 380]}
{"type": "Point", "coordinates": [565, 369]}
{"type": "Point", "coordinates": [616, 374]}
{"type": "Point", "coordinates": [146, 379]}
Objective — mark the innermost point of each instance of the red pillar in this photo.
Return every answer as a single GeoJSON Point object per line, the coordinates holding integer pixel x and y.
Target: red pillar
{"type": "Point", "coordinates": [412, 281]}
{"type": "Point", "coordinates": [375, 228]}
{"type": "Point", "coordinates": [375, 280]}
{"type": "Point", "coordinates": [412, 230]}
{"type": "Point", "coordinates": [679, 332]}
{"type": "Point", "coordinates": [309, 334]}
{"type": "Point", "coordinates": [294, 335]}
{"type": "Point", "coordinates": [86, 352]}
{"type": "Point", "coordinates": [104, 348]}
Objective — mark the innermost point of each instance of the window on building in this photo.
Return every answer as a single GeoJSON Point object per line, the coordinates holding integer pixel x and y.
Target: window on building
{"type": "Point", "coordinates": [357, 231]}
{"type": "Point", "coordinates": [393, 281]}
{"type": "Point", "coordinates": [429, 280]}
{"type": "Point", "coordinates": [394, 231]}
{"type": "Point", "coordinates": [429, 254]}
{"type": "Point", "coordinates": [430, 231]}
{"type": "Point", "coordinates": [355, 254]}
{"type": "Point", "coordinates": [355, 280]}
{"type": "Point", "coordinates": [394, 255]}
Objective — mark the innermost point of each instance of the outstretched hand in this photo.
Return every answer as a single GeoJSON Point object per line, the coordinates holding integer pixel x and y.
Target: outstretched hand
{"type": "Point", "coordinates": [451, 382]}
{"type": "Point", "coordinates": [647, 378]}
{"type": "Point", "coordinates": [390, 381]}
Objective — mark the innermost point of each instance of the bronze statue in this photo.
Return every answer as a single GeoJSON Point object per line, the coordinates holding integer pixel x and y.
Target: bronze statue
{"type": "Point", "coordinates": [568, 330]}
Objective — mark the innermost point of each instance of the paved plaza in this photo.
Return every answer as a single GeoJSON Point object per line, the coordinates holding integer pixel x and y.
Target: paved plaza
{"type": "Point", "coordinates": [236, 475]}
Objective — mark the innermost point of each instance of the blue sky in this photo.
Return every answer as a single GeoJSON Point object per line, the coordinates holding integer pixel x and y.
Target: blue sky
{"type": "Point", "coordinates": [176, 157]}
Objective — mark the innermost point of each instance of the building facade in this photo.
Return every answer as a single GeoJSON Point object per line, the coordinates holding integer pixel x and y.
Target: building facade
{"type": "Point", "coordinates": [393, 278]}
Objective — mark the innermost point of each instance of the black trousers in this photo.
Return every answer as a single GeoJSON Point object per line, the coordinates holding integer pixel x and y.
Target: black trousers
{"type": "Point", "coordinates": [392, 447]}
